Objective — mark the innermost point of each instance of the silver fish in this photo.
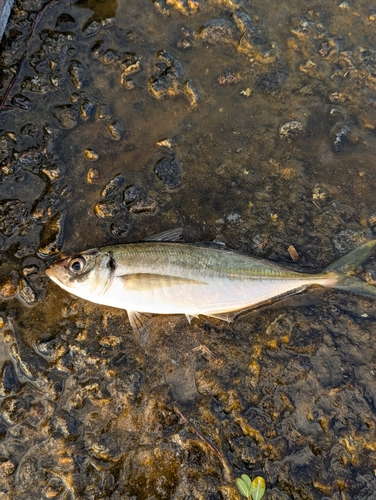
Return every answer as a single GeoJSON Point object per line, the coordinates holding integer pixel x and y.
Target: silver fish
{"type": "Point", "coordinates": [175, 278]}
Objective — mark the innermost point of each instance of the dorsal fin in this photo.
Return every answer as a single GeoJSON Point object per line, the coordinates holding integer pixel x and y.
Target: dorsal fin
{"type": "Point", "coordinates": [169, 235]}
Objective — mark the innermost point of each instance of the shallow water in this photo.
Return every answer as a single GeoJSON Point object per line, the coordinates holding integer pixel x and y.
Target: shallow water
{"type": "Point", "coordinates": [251, 123]}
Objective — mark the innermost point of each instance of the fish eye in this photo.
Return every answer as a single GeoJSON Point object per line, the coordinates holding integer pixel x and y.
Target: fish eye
{"type": "Point", "coordinates": [77, 265]}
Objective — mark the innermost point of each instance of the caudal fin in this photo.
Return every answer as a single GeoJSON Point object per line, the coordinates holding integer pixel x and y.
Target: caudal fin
{"type": "Point", "coordinates": [344, 267]}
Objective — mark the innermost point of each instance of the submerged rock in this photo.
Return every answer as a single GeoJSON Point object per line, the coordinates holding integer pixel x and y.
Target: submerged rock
{"type": "Point", "coordinates": [14, 216]}
{"type": "Point", "coordinates": [169, 171]}
{"type": "Point", "coordinates": [115, 184]}
{"type": "Point", "coordinates": [66, 115]}
{"type": "Point", "coordinates": [76, 72]}
{"type": "Point", "coordinates": [52, 236]}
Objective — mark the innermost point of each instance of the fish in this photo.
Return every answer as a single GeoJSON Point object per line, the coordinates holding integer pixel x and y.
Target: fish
{"type": "Point", "coordinates": [168, 277]}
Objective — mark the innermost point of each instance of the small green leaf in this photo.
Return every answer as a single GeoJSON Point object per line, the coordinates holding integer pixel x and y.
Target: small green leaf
{"type": "Point", "coordinates": [248, 482]}
{"type": "Point", "coordinates": [258, 488]}
{"type": "Point", "coordinates": [242, 487]}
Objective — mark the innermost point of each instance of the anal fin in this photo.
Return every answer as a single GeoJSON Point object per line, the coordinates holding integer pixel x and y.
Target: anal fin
{"type": "Point", "coordinates": [190, 317]}
{"type": "Point", "coordinates": [226, 316]}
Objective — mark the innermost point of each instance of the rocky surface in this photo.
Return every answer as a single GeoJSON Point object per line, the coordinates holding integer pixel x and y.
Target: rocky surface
{"type": "Point", "coordinates": [248, 123]}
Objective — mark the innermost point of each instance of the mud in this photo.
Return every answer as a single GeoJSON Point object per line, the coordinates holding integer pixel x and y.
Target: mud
{"type": "Point", "coordinates": [250, 123]}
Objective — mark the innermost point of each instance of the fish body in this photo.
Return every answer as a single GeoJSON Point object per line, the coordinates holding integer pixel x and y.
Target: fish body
{"type": "Point", "coordinates": [175, 278]}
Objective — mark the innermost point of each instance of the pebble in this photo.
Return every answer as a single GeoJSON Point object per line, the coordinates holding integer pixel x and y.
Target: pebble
{"type": "Point", "coordinates": [9, 286]}
{"type": "Point", "coordinates": [168, 77]}
{"type": "Point", "coordinates": [92, 176]}
{"type": "Point", "coordinates": [290, 129]}
{"type": "Point", "coordinates": [66, 115]}
{"type": "Point", "coordinates": [107, 209]}
{"type": "Point", "coordinates": [110, 56]}
{"type": "Point", "coordinates": [116, 131]}
{"type": "Point", "coordinates": [91, 154]}
{"type": "Point", "coordinates": [76, 72]}
{"type": "Point", "coordinates": [8, 380]}
{"type": "Point", "coordinates": [29, 129]}
{"type": "Point", "coordinates": [26, 292]}
{"type": "Point", "coordinates": [122, 226]}
{"type": "Point", "coordinates": [20, 101]}
{"type": "Point", "coordinates": [14, 409]}
{"type": "Point", "coordinates": [91, 29]}
{"type": "Point", "coordinates": [53, 172]}
{"type": "Point", "coordinates": [169, 171]}
{"type": "Point", "coordinates": [115, 184]}
{"type": "Point", "coordinates": [217, 31]}
{"type": "Point", "coordinates": [144, 205]}
{"type": "Point", "coordinates": [340, 138]}
{"type": "Point", "coordinates": [104, 112]}
{"type": "Point", "coordinates": [131, 194]}
{"type": "Point", "coordinates": [86, 109]}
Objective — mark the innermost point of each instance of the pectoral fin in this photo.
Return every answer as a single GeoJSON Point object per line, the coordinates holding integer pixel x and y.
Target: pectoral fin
{"type": "Point", "coordinates": [144, 282]}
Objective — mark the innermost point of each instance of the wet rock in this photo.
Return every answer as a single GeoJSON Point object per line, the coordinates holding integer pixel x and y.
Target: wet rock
{"type": "Point", "coordinates": [65, 21]}
{"type": "Point", "coordinates": [348, 239]}
{"type": "Point", "coordinates": [186, 38]}
{"type": "Point", "coordinates": [29, 130]}
{"type": "Point", "coordinates": [55, 488]}
{"type": "Point", "coordinates": [217, 31]}
{"type": "Point", "coordinates": [191, 92]}
{"type": "Point", "coordinates": [122, 226]}
{"type": "Point", "coordinates": [111, 56]}
{"type": "Point", "coordinates": [169, 171]}
{"type": "Point", "coordinates": [8, 380]}
{"type": "Point", "coordinates": [7, 467]}
{"type": "Point", "coordinates": [52, 236]}
{"type": "Point", "coordinates": [66, 115]}
{"type": "Point", "coordinates": [7, 149]}
{"type": "Point", "coordinates": [340, 138]}
{"type": "Point", "coordinates": [290, 129]}
{"type": "Point", "coordinates": [92, 176]}
{"type": "Point", "coordinates": [229, 78]}
{"type": "Point", "coordinates": [104, 112]}
{"type": "Point", "coordinates": [251, 38]}
{"type": "Point", "coordinates": [66, 423]}
{"type": "Point", "coordinates": [271, 83]}
{"type": "Point", "coordinates": [26, 292]}
{"type": "Point", "coordinates": [145, 205]}
{"type": "Point", "coordinates": [91, 154]}
{"type": "Point", "coordinates": [98, 49]}
{"type": "Point", "coordinates": [32, 158]}
{"type": "Point", "coordinates": [76, 72]}
{"type": "Point", "coordinates": [87, 108]}
{"type": "Point", "coordinates": [116, 131]}
{"type": "Point", "coordinates": [21, 101]}
{"type": "Point", "coordinates": [131, 65]}
{"type": "Point", "coordinates": [14, 216]}
{"type": "Point", "coordinates": [91, 29]}
{"type": "Point", "coordinates": [113, 186]}
{"type": "Point", "coordinates": [14, 409]}
{"type": "Point", "coordinates": [107, 209]}
{"type": "Point", "coordinates": [53, 172]}
{"type": "Point", "coordinates": [28, 363]}
{"type": "Point", "coordinates": [131, 194]}
{"type": "Point", "coordinates": [42, 209]}
{"type": "Point", "coordinates": [9, 286]}
{"type": "Point", "coordinates": [169, 76]}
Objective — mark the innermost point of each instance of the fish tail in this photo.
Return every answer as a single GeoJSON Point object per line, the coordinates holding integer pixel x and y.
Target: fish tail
{"type": "Point", "coordinates": [345, 266]}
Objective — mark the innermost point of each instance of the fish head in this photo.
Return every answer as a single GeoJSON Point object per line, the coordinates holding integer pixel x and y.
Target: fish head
{"type": "Point", "coordinates": [86, 274]}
